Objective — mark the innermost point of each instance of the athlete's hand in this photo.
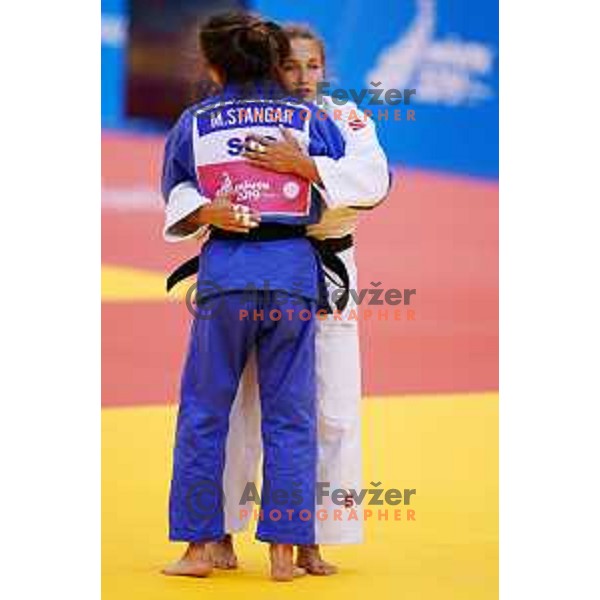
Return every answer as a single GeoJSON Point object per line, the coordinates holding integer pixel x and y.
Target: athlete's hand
{"type": "Point", "coordinates": [225, 214]}
{"type": "Point", "coordinates": [283, 156]}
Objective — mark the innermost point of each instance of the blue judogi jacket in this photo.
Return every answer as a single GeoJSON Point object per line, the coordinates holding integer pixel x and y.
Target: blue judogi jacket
{"type": "Point", "coordinates": [203, 155]}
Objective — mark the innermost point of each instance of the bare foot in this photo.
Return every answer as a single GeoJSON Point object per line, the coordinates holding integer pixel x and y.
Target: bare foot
{"type": "Point", "coordinates": [222, 553]}
{"type": "Point", "coordinates": [282, 563]}
{"type": "Point", "coordinates": [194, 563]}
{"type": "Point", "coordinates": [309, 558]}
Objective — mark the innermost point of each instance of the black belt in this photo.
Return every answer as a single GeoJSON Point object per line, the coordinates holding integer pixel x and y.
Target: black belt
{"type": "Point", "coordinates": [183, 271]}
{"type": "Point", "coordinates": [327, 250]}
{"type": "Point", "coordinates": [268, 232]}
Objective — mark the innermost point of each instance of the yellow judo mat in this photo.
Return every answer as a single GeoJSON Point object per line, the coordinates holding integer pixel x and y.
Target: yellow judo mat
{"type": "Point", "coordinates": [444, 446]}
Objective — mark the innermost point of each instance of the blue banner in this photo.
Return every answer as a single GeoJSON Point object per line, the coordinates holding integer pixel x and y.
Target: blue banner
{"type": "Point", "coordinates": [114, 48]}
{"type": "Point", "coordinates": [447, 50]}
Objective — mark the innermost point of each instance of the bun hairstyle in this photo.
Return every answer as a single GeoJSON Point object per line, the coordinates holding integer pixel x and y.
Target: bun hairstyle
{"type": "Point", "coordinates": [244, 47]}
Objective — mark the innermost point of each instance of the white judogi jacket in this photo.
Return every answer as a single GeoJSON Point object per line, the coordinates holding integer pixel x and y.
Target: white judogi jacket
{"type": "Point", "coordinates": [358, 180]}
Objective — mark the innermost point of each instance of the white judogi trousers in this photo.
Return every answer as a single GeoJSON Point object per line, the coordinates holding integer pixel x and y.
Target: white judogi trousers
{"type": "Point", "coordinates": [339, 433]}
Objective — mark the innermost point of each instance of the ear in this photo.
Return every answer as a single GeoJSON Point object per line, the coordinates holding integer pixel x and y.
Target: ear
{"type": "Point", "coordinates": [216, 75]}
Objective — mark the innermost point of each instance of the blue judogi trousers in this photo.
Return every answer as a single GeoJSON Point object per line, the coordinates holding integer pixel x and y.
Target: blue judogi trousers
{"type": "Point", "coordinates": [221, 339]}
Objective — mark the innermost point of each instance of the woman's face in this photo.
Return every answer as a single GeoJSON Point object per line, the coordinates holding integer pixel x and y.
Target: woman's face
{"type": "Point", "coordinates": [303, 69]}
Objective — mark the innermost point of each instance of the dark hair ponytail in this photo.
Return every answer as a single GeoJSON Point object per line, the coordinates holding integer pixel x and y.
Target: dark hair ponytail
{"type": "Point", "coordinates": [244, 47]}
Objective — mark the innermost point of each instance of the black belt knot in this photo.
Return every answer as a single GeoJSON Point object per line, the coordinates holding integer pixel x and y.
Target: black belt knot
{"type": "Point", "coordinates": [327, 250]}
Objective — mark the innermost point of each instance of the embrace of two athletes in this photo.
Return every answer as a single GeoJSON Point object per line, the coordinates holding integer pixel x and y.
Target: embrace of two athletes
{"type": "Point", "coordinates": [287, 389]}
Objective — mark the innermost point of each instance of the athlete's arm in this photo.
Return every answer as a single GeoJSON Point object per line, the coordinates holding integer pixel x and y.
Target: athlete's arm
{"type": "Point", "coordinates": [360, 178]}
{"type": "Point", "coordinates": [220, 212]}
{"type": "Point", "coordinates": [284, 156]}
{"type": "Point", "coordinates": [187, 211]}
